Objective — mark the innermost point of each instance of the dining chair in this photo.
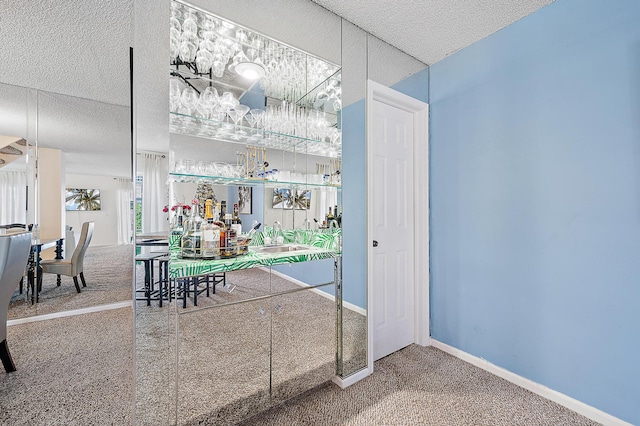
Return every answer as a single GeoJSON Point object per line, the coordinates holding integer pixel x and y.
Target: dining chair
{"type": "Point", "coordinates": [72, 267]}
{"type": "Point", "coordinates": [14, 253]}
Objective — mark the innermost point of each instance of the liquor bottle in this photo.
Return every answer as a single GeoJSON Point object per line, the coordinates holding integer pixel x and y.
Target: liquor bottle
{"type": "Point", "coordinates": [196, 219]}
{"type": "Point", "coordinates": [177, 225]}
{"type": "Point", "coordinates": [223, 209]}
{"type": "Point", "coordinates": [236, 222]}
{"type": "Point", "coordinates": [191, 241]}
{"type": "Point", "coordinates": [223, 229]}
{"type": "Point", "coordinates": [231, 239]}
{"type": "Point", "coordinates": [210, 234]}
{"type": "Point", "coordinates": [330, 216]}
{"type": "Point", "coordinates": [340, 218]}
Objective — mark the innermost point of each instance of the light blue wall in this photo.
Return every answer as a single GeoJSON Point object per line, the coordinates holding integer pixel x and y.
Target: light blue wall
{"type": "Point", "coordinates": [416, 85]}
{"type": "Point", "coordinates": [535, 201]}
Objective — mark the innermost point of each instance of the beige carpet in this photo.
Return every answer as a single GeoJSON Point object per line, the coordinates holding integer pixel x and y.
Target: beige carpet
{"type": "Point", "coordinates": [421, 386]}
{"type": "Point", "coordinates": [70, 371]}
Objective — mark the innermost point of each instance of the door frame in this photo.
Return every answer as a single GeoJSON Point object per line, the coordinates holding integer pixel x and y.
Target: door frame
{"type": "Point", "coordinates": [420, 111]}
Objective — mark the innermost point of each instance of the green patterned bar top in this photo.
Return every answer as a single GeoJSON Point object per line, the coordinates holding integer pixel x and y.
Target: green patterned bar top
{"type": "Point", "coordinates": [318, 245]}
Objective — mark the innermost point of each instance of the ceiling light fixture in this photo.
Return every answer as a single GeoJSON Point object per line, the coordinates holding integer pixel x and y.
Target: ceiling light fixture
{"type": "Point", "coordinates": [250, 70]}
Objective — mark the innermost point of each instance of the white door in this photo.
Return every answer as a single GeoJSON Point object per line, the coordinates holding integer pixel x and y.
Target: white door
{"type": "Point", "coordinates": [393, 230]}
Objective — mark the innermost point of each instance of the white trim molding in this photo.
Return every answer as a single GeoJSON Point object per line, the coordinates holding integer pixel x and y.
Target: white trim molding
{"type": "Point", "coordinates": [81, 311]}
{"type": "Point", "coordinates": [420, 111]}
{"type": "Point", "coordinates": [550, 394]}
{"type": "Point", "coordinates": [351, 379]}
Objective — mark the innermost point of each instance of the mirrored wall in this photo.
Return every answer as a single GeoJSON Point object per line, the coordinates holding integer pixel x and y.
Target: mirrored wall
{"type": "Point", "coordinates": [70, 165]}
{"type": "Point", "coordinates": [232, 348]}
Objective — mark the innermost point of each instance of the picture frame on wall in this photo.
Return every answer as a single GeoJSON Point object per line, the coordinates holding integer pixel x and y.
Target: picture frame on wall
{"type": "Point", "coordinates": [283, 198]}
{"type": "Point", "coordinates": [302, 199]}
{"type": "Point", "coordinates": [244, 200]}
{"type": "Point", "coordinates": [82, 199]}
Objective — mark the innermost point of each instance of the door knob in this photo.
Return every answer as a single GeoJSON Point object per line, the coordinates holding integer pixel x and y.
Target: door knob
{"type": "Point", "coordinates": [375, 243]}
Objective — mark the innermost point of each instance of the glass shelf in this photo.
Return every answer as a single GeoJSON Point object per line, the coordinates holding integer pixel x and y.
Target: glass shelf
{"type": "Point", "coordinates": [227, 132]}
{"type": "Point", "coordinates": [223, 180]}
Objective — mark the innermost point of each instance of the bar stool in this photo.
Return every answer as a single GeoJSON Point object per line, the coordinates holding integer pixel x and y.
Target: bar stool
{"type": "Point", "coordinates": [194, 285]}
{"type": "Point", "coordinates": [147, 259]}
{"type": "Point", "coordinates": [164, 281]}
{"type": "Point", "coordinates": [217, 278]}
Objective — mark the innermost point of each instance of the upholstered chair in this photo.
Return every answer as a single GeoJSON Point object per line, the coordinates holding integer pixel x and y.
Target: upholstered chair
{"type": "Point", "coordinates": [14, 254]}
{"type": "Point", "coordinates": [72, 267]}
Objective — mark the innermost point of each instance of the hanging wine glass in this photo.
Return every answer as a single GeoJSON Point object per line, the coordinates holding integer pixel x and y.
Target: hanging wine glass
{"type": "Point", "coordinates": [189, 26]}
{"type": "Point", "coordinates": [204, 61]}
{"type": "Point", "coordinates": [187, 51]}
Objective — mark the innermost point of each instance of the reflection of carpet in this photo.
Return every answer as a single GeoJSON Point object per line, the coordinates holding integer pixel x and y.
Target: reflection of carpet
{"type": "Point", "coordinates": [70, 371]}
{"type": "Point", "coordinates": [108, 271]}
{"type": "Point", "coordinates": [224, 364]}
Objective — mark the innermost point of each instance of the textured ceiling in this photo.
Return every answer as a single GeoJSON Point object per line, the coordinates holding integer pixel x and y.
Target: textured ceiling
{"type": "Point", "coordinates": [79, 48]}
{"type": "Point", "coordinates": [429, 30]}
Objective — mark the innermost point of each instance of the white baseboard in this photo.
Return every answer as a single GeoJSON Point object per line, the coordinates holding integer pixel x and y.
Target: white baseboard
{"type": "Point", "coordinates": [346, 305]}
{"type": "Point", "coordinates": [99, 308]}
{"type": "Point", "coordinates": [349, 380]}
{"type": "Point", "coordinates": [560, 398]}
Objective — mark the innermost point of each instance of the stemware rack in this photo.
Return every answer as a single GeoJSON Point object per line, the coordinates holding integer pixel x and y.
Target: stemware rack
{"type": "Point", "coordinates": [316, 85]}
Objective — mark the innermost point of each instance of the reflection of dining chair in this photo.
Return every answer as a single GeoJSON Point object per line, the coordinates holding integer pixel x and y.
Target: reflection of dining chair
{"type": "Point", "coordinates": [14, 253]}
{"type": "Point", "coordinates": [71, 267]}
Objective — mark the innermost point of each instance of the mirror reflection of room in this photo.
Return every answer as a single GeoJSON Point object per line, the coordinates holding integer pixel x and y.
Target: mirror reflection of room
{"type": "Point", "coordinates": [71, 189]}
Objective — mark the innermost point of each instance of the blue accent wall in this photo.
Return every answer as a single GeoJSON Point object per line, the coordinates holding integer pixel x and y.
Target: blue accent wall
{"type": "Point", "coordinates": [416, 85]}
{"type": "Point", "coordinates": [535, 201]}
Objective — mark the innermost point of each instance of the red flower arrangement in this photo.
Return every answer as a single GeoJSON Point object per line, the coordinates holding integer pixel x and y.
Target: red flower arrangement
{"type": "Point", "coordinates": [175, 207]}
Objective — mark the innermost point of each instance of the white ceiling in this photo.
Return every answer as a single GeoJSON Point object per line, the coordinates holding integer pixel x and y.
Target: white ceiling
{"type": "Point", "coordinates": [430, 30]}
